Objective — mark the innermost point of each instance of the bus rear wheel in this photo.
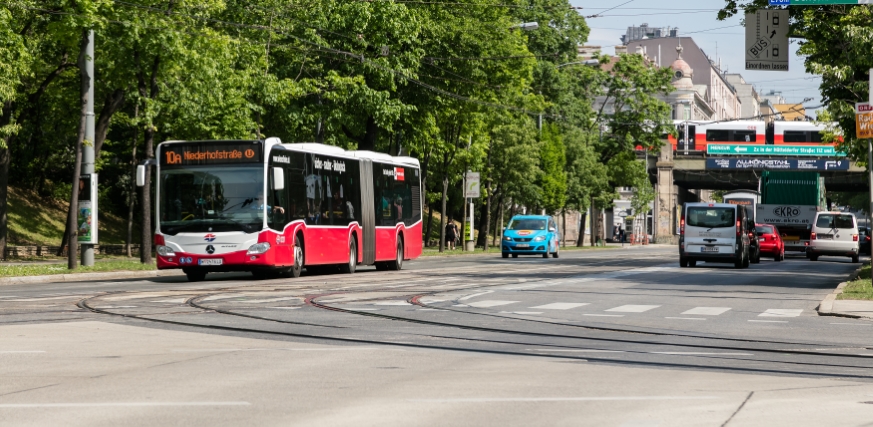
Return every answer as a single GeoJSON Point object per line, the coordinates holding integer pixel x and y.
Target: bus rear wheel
{"type": "Point", "coordinates": [397, 264]}
{"type": "Point", "coordinates": [349, 267]}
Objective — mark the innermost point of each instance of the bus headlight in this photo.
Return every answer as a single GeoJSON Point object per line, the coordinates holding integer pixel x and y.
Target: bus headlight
{"type": "Point", "coordinates": [258, 248]}
{"type": "Point", "coordinates": [164, 250]}
{"type": "Point", "coordinates": [539, 238]}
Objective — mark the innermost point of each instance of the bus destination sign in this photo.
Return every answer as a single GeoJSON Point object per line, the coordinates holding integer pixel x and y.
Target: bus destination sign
{"type": "Point", "coordinates": [212, 153]}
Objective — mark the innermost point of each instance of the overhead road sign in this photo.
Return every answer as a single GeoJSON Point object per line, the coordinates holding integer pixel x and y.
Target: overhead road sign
{"type": "Point", "coordinates": [816, 2]}
{"type": "Point", "coordinates": [774, 150]}
{"type": "Point", "coordinates": [776, 164]}
{"type": "Point", "coordinates": [863, 120]}
{"type": "Point", "coordinates": [767, 40]}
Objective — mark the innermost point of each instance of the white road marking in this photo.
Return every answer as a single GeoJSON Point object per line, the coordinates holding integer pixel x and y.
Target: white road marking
{"type": "Point", "coordinates": [781, 312]}
{"type": "Point", "coordinates": [575, 350]}
{"type": "Point", "coordinates": [769, 321]}
{"type": "Point", "coordinates": [706, 311]}
{"type": "Point", "coordinates": [474, 295]}
{"type": "Point", "coordinates": [392, 303]}
{"type": "Point", "coordinates": [686, 318]}
{"type": "Point", "coordinates": [633, 308]}
{"type": "Point", "coordinates": [490, 303]}
{"type": "Point", "coordinates": [218, 297]}
{"type": "Point", "coordinates": [41, 299]}
{"type": "Point", "coordinates": [558, 399]}
{"type": "Point", "coordinates": [605, 315]}
{"type": "Point", "coordinates": [431, 300]}
{"type": "Point", "coordinates": [695, 353]}
{"type": "Point", "coordinates": [853, 324]}
{"type": "Point", "coordinates": [592, 277]}
{"type": "Point", "coordinates": [21, 351]}
{"type": "Point", "coordinates": [172, 301]}
{"type": "Point", "coordinates": [115, 404]}
{"type": "Point", "coordinates": [561, 305]}
{"type": "Point", "coordinates": [115, 306]}
{"type": "Point", "coordinates": [223, 350]}
{"type": "Point", "coordinates": [427, 309]}
{"type": "Point", "coordinates": [259, 301]}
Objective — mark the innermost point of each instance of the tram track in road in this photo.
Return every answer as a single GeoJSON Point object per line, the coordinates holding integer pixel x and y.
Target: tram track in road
{"type": "Point", "coordinates": [588, 352]}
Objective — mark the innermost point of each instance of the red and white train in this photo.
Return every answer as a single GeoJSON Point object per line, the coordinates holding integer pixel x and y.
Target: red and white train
{"type": "Point", "coordinates": [272, 208]}
{"type": "Point", "coordinates": [747, 132]}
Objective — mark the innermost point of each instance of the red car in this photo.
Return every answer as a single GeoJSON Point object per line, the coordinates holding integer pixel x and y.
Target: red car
{"type": "Point", "coordinates": [770, 240]}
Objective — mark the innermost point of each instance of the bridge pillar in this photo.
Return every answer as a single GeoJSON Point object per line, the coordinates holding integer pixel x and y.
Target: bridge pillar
{"type": "Point", "coordinates": [665, 199]}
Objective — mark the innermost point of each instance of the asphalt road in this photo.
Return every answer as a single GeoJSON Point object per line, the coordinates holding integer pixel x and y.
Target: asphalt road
{"type": "Point", "coordinates": [596, 337]}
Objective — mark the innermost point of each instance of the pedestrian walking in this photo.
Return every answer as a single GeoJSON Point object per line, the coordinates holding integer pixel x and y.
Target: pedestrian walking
{"type": "Point", "coordinates": [451, 234]}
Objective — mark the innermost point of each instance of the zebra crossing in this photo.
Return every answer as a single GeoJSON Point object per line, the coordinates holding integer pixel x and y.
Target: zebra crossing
{"type": "Point", "coordinates": [699, 313]}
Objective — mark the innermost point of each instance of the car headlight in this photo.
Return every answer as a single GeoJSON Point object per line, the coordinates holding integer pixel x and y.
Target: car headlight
{"type": "Point", "coordinates": [539, 238]}
{"type": "Point", "coordinates": [258, 248]}
{"type": "Point", "coordinates": [507, 238]}
{"type": "Point", "coordinates": [164, 250]}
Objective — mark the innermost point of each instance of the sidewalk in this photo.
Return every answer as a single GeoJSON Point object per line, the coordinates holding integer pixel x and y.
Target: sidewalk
{"type": "Point", "coordinates": [831, 306]}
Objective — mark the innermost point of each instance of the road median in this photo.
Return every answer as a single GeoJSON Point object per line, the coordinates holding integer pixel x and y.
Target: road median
{"type": "Point", "coordinates": [852, 298]}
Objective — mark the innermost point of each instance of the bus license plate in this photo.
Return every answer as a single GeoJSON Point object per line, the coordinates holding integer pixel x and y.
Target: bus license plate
{"type": "Point", "coordinates": [522, 245]}
{"type": "Point", "coordinates": [707, 249]}
{"type": "Point", "coordinates": [211, 261]}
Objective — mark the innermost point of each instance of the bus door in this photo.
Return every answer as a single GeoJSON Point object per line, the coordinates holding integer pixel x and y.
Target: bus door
{"type": "Point", "coordinates": [368, 212]}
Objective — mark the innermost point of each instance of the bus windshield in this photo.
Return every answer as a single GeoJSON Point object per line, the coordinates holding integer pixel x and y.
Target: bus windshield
{"type": "Point", "coordinates": [211, 199]}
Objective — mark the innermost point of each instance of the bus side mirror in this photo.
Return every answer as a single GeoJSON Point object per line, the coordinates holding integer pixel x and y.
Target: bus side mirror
{"type": "Point", "coordinates": [278, 179]}
{"type": "Point", "coordinates": [140, 175]}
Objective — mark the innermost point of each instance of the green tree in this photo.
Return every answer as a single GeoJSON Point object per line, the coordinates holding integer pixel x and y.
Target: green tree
{"type": "Point", "coordinates": [553, 180]}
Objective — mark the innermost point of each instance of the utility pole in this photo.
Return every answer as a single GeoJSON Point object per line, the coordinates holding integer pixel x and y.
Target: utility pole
{"type": "Point", "coordinates": [88, 157]}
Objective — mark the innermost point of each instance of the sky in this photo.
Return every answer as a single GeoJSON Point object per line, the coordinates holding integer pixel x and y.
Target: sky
{"type": "Point", "coordinates": [698, 19]}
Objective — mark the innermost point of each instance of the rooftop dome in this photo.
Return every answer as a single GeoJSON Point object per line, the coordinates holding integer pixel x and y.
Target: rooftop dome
{"type": "Point", "coordinates": [682, 72]}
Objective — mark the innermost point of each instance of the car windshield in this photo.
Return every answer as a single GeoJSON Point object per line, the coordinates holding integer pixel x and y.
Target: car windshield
{"type": "Point", "coordinates": [764, 229]}
{"type": "Point", "coordinates": [710, 217]}
{"type": "Point", "coordinates": [835, 221]}
{"type": "Point", "coordinates": [204, 199]}
{"type": "Point", "coordinates": [527, 224]}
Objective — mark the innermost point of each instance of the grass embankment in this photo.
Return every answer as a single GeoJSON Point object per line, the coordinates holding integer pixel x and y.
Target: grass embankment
{"type": "Point", "coordinates": [859, 288]}
{"type": "Point", "coordinates": [44, 269]}
{"type": "Point", "coordinates": [37, 220]}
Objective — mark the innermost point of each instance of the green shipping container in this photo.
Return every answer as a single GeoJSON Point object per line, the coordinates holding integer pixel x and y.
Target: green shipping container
{"type": "Point", "coordinates": [793, 188]}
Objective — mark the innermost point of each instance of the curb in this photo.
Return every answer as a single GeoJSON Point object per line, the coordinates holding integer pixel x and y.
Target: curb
{"type": "Point", "coordinates": [826, 306]}
{"type": "Point", "coordinates": [84, 277]}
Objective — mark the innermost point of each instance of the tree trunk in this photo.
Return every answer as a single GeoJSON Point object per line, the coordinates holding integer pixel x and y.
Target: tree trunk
{"type": "Point", "coordinates": [580, 241]}
{"type": "Point", "coordinates": [427, 230]}
{"type": "Point", "coordinates": [498, 224]}
{"type": "Point", "coordinates": [72, 226]}
{"type": "Point", "coordinates": [487, 223]}
{"type": "Point", "coordinates": [443, 214]}
{"type": "Point", "coordinates": [145, 248]}
{"type": "Point", "coordinates": [4, 186]}
{"type": "Point", "coordinates": [131, 197]}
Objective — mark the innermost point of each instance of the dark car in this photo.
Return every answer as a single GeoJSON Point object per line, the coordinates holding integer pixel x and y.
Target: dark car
{"type": "Point", "coordinates": [864, 240]}
{"type": "Point", "coordinates": [754, 243]}
{"type": "Point", "coordinates": [770, 241]}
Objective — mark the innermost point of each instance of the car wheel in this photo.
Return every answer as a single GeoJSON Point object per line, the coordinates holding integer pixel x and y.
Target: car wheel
{"type": "Point", "coordinates": [555, 254]}
{"type": "Point", "coordinates": [739, 262]}
{"type": "Point", "coordinates": [515, 255]}
{"type": "Point", "coordinates": [349, 267]}
{"type": "Point", "coordinates": [856, 259]}
{"type": "Point", "coordinates": [777, 257]}
{"type": "Point", "coordinates": [746, 261]}
{"type": "Point", "coordinates": [757, 258]}
{"type": "Point", "coordinates": [683, 262]}
{"type": "Point", "coordinates": [546, 254]}
{"type": "Point", "coordinates": [813, 257]}
{"type": "Point", "coordinates": [692, 263]}
{"type": "Point", "coordinates": [504, 255]}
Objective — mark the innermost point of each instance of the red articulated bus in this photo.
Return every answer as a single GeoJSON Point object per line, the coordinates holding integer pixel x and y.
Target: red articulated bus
{"type": "Point", "coordinates": [273, 209]}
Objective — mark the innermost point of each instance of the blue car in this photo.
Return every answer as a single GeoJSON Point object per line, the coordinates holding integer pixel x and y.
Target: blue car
{"type": "Point", "coordinates": [530, 235]}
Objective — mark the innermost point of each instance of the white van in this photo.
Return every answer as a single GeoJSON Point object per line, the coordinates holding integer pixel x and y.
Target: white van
{"type": "Point", "coordinates": [833, 233]}
{"type": "Point", "coordinates": [714, 232]}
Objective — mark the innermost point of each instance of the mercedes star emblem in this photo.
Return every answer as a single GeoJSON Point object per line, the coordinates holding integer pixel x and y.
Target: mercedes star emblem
{"type": "Point", "coordinates": [210, 249]}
